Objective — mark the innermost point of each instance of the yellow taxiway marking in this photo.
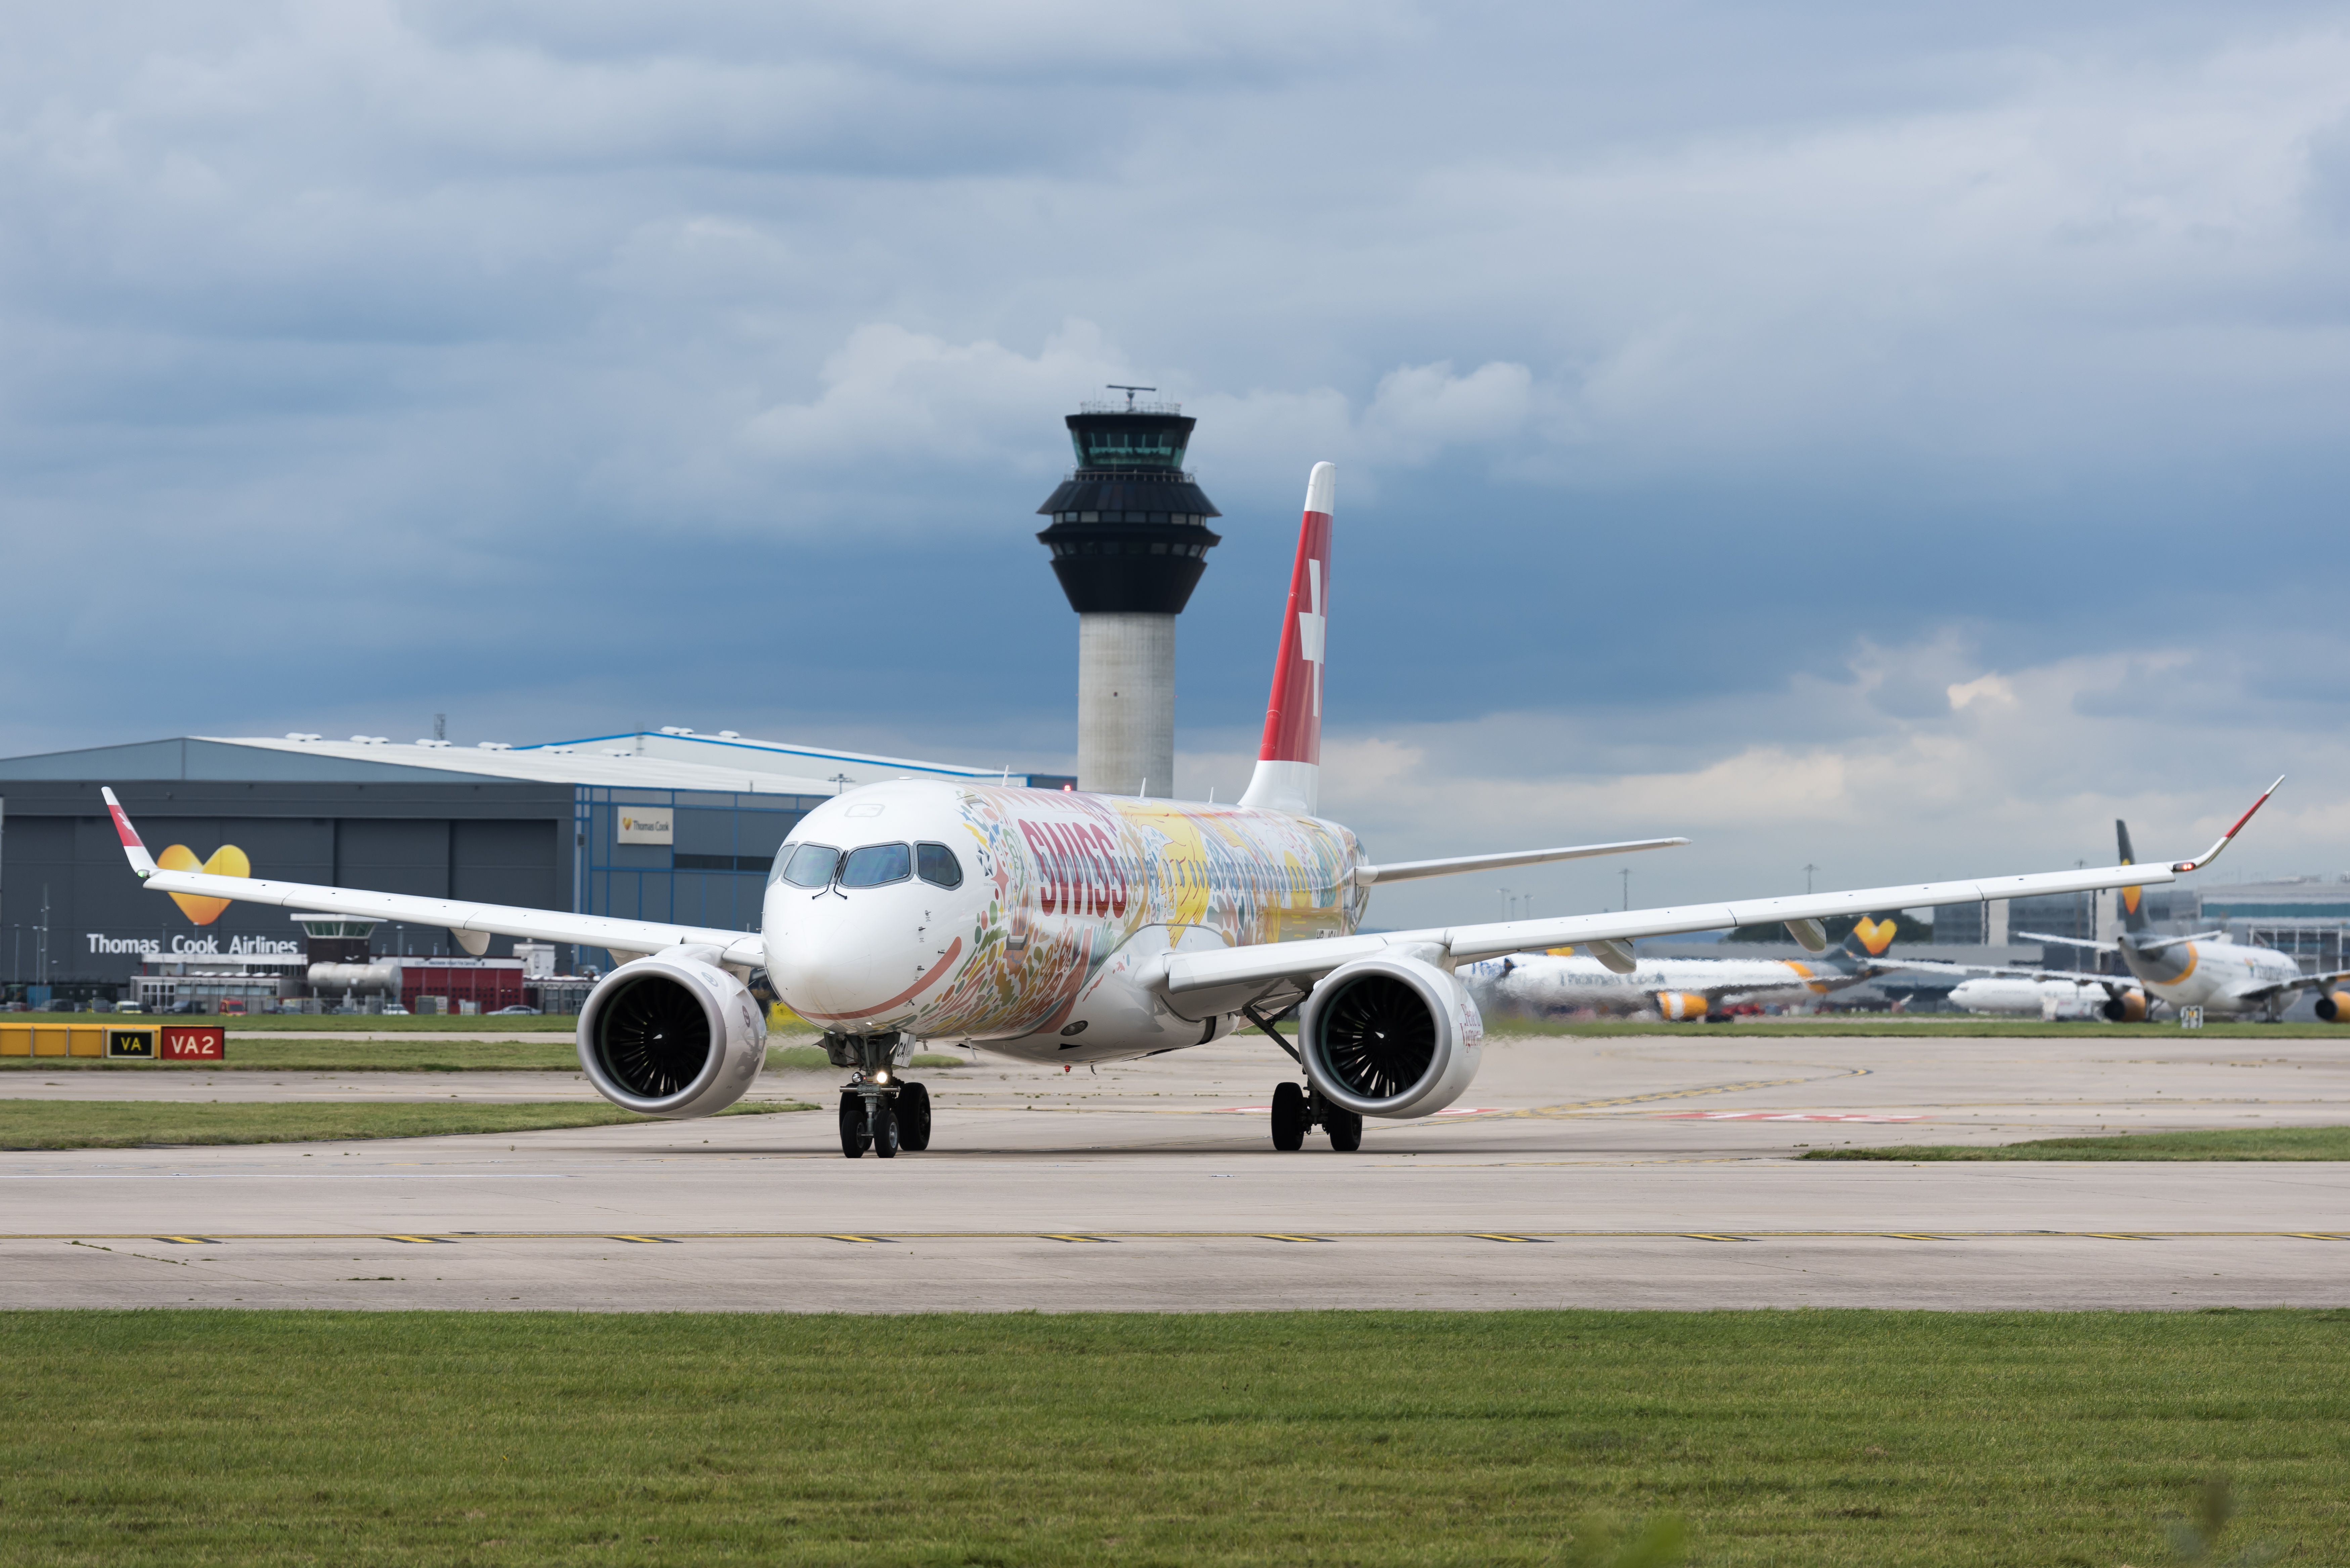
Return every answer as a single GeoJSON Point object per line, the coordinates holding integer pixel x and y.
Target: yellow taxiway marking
{"type": "Point", "coordinates": [683, 1236]}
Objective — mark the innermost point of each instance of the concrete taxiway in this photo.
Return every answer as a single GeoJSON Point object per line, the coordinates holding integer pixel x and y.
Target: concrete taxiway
{"type": "Point", "coordinates": [1650, 1171]}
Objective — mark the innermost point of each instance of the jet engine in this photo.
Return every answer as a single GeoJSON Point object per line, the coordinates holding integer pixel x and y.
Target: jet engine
{"type": "Point", "coordinates": [1390, 1037]}
{"type": "Point", "coordinates": [1682, 1007]}
{"type": "Point", "coordinates": [2129, 1007]}
{"type": "Point", "coordinates": [2334, 1007]}
{"type": "Point", "coordinates": [672, 1035]}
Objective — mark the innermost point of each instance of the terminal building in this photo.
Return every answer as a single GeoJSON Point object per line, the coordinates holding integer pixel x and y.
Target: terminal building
{"type": "Point", "coordinates": [662, 824]}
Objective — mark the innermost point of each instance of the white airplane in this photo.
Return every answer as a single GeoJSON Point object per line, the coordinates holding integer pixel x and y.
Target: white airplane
{"type": "Point", "coordinates": [1680, 990]}
{"type": "Point", "coordinates": [2210, 970]}
{"type": "Point", "coordinates": [1062, 927]}
{"type": "Point", "coordinates": [2018, 995]}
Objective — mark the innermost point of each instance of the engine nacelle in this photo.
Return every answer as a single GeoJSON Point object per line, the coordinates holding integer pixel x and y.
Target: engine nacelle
{"type": "Point", "coordinates": [1682, 1007]}
{"type": "Point", "coordinates": [2129, 1007]}
{"type": "Point", "coordinates": [1390, 1037]}
{"type": "Point", "coordinates": [2334, 1007]}
{"type": "Point", "coordinates": [672, 1035]}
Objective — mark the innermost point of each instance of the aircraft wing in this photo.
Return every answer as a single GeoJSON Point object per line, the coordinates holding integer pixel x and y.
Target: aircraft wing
{"type": "Point", "coordinates": [2007, 972]}
{"type": "Point", "coordinates": [1309, 960]}
{"type": "Point", "coordinates": [2153, 946]}
{"type": "Point", "coordinates": [471, 924]}
{"type": "Point", "coordinates": [2306, 983]}
{"type": "Point", "coordinates": [1404, 870]}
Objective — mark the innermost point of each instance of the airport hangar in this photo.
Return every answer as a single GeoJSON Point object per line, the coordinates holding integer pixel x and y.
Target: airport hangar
{"type": "Point", "coordinates": [663, 824]}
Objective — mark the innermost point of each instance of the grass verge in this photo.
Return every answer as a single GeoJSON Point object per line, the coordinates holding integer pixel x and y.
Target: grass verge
{"type": "Point", "coordinates": [1941, 1027]}
{"type": "Point", "coordinates": [1818, 1437]}
{"type": "Point", "coordinates": [328, 1023]}
{"type": "Point", "coordinates": [142, 1124]}
{"type": "Point", "coordinates": [2228, 1143]}
{"type": "Point", "coordinates": [811, 1058]}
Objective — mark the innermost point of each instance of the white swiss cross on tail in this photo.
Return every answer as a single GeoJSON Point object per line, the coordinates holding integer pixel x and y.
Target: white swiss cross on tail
{"type": "Point", "coordinates": [1289, 764]}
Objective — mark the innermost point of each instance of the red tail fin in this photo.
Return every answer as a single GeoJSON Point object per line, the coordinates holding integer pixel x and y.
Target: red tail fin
{"type": "Point", "coordinates": [1289, 762]}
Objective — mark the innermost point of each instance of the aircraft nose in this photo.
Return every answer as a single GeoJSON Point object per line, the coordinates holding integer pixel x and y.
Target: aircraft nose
{"type": "Point", "coordinates": [841, 960]}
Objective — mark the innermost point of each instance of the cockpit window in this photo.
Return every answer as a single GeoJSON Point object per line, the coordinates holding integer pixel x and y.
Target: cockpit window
{"type": "Point", "coordinates": [937, 865]}
{"type": "Point", "coordinates": [810, 866]}
{"type": "Point", "coordinates": [875, 865]}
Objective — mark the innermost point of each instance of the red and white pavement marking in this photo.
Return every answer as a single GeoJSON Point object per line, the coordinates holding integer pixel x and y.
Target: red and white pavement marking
{"type": "Point", "coordinates": [1455, 1111]}
{"type": "Point", "coordinates": [1785, 1116]}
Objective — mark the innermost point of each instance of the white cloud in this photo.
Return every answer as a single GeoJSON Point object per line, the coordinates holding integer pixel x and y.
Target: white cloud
{"type": "Point", "coordinates": [2015, 778]}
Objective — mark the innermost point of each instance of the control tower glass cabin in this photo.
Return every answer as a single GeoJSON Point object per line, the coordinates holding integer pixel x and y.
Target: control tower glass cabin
{"type": "Point", "coordinates": [1129, 540]}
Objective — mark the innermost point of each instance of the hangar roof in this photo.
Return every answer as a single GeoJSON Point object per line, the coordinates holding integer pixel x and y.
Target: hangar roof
{"type": "Point", "coordinates": [610, 762]}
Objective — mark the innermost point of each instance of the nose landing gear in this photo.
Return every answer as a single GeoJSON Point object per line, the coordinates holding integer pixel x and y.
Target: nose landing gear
{"type": "Point", "coordinates": [1297, 1110]}
{"type": "Point", "coordinates": [878, 1110]}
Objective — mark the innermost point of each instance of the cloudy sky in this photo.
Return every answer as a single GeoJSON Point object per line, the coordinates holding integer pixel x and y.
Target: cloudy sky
{"type": "Point", "coordinates": [1894, 439]}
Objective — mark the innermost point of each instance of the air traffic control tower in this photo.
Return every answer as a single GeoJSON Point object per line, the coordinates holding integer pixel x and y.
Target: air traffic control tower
{"type": "Point", "coordinates": [1129, 539]}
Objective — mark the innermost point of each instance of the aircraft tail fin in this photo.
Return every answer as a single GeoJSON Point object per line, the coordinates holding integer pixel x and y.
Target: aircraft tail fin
{"type": "Point", "coordinates": [2134, 918]}
{"type": "Point", "coordinates": [1288, 774]}
{"type": "Point", "coordinates": [1872, 935]}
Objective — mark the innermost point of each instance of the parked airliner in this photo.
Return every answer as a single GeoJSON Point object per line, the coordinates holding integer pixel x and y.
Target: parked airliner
{"type": "Point", "coordinates": [2210, 970]}
{"type": "Point", "coordinates": [1065, 926]}
{"type": "Point", "coordinates": [1676, 990]}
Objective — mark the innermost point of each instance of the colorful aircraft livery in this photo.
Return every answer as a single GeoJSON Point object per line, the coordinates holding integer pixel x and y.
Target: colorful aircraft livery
{"type": "Point", "coordinates": [1064, 926]}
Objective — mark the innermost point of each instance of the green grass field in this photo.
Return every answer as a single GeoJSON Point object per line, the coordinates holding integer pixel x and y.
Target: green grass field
{"type": "Point", "coordinates": [426, 1054]}
{"type": "Point", "coordinates": [1942, 1026]}
{"type": "Point", "coordinates": [1814, 1438]}
{"type": "Point", "coordinates": [328, 1023]}
{"type": "Point", "coordinates": [146, 1123]}
{"type": "Point", "coordinates": [2229, 1143]}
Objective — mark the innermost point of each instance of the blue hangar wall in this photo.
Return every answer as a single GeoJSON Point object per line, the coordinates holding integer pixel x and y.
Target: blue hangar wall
{"type": "Point", "coordinates": [353, 825]}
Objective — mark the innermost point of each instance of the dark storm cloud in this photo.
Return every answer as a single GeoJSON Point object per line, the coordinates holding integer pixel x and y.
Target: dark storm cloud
{"type": "Point", "coordinates": [1703, 377]}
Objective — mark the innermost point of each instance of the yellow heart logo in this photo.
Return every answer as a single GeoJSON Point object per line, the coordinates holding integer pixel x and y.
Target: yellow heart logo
{"type": "Point", "coordinates": [228, 860]}
{"type": "Point", "coordinates": [2130, 896]}
{"type": "Point", "coordinates": [1876, 935]}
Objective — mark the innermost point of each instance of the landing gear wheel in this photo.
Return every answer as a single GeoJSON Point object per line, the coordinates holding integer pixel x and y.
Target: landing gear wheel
{"type": "Point", "coordinates": [914, 1117]}
{"type": "Point", "coordinates": [1345, 1128]}
{"type": "Point", "coordinates": [853, 1138]}
{"type": "Point", "coordinates": [1288, 1117]}
{"type": "Point", "coordinates": [885, 1130]}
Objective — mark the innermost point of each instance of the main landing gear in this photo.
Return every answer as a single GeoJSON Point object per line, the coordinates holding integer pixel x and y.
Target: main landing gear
{"type": "Point", "coordinates": [878, 1110]}
{"type": "Point", "coordinates": [1297, 1110]}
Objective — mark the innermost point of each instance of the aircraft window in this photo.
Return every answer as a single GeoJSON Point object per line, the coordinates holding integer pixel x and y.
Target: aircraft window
{"type": "Point", "coordinates": [810, 866]}
{"type": "Point", "coordinates": [939, 864]}
{"type": "Point", "coordinates": [875, 865]}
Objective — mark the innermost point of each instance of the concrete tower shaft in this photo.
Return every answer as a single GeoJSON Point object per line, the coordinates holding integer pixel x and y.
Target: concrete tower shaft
{"type": "Point", "coordinates": [1129, 541]}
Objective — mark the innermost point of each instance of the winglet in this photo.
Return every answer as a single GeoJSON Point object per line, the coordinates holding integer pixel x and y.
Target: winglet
{"type": "Point", "coordinates": [140, 861]}
{"type": "Point", "coordinates": [2182, 867]}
